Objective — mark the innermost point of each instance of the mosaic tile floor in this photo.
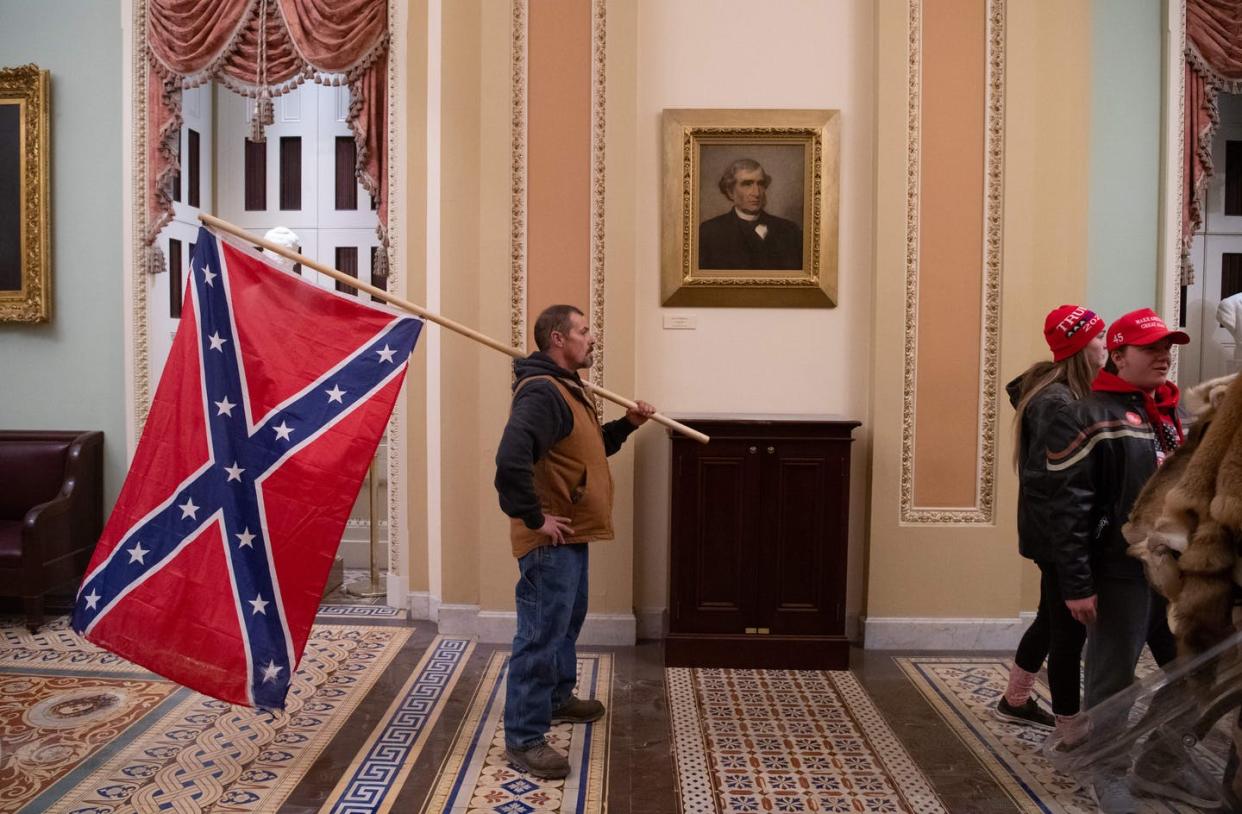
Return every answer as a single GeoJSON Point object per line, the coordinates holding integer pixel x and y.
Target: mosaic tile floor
{"type": "Point", "coordinates": [85, 731]}
{"type": "Point", "coordinates": [787, 741]}
{"type": "Point", "coordinates": [394, 717]}
{"type": "Point", "coordinates": [964, 691]}
{"type": "Point", "coordinates": [477, 778]}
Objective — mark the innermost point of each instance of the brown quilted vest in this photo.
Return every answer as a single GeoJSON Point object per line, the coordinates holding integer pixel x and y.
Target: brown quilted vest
{"type": "Point", "coordinates": [572, 480]}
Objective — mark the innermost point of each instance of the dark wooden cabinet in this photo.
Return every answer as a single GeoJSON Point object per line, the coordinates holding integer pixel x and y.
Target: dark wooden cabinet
{"type": "Point", "coordinates": [760, 522]}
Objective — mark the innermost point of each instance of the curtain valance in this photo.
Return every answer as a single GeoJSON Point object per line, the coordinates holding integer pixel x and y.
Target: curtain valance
{"type": "Point", "coordinates": [262, 49]}
{"type": "Point", "coordinates": [1213, 65]}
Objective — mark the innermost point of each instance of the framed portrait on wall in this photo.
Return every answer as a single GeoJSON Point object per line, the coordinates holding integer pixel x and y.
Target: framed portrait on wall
{"type": "Point", "coordinates": [750, 208]}
{"type": "Point", "coordinates": [25, 284]}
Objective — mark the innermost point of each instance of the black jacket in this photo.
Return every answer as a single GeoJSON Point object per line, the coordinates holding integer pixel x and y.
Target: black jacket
{"type": "Point", "coordinates": [728, 242]}
{"type": "Point", "coordinates": [538, 419]}
{"type": "Point", "coordinates": [1100, 452]}
{"type": "Point", "coordinates": [1034, 537]}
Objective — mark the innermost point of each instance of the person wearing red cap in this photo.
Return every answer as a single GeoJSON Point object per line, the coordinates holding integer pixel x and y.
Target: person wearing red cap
{"type": "Point", "coordinates": [1075, 335]}
{"type": "Point", "coordinates": [1101, 451]}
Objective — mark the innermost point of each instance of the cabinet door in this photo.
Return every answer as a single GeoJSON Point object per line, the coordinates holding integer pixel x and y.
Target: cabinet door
{"type": "Point", "coordinates": [716, 504]}
{"type": "Point", "coordinates": [802, 559]}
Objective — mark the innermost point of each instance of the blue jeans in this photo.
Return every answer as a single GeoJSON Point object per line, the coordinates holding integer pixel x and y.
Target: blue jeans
{"type": "Point", "coordinates": [551, 599]}
{"type": "Point", "coordinates": [1129, 615]}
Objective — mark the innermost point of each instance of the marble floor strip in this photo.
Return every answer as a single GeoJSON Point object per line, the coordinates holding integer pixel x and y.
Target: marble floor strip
{"type": "Point", "coordinates": [381, 767]}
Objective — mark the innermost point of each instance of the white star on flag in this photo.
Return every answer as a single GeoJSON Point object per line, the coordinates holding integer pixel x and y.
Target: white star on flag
{"type": "Point", "coordinates": [234, 472]}
{"type": "Point", "coordinates": [335, 394]}
{"type": "Point", "coordinates": [283, 431]}
{"type": "Point", "coordinates": [385, 355]}
{"type": "Point", "coordinates": [92, 600]}
{"type": "Point", "coordinates": [137, 553]}
{"type": "Point", "coordinates": [217, 342]}
{"type": "Point", "coordinates": [225, 407]}
{"type": "Point", "coordinates": [259, 604]}
{"type": "Point", "coordinates": [245, 539]}
{"type": "Point", "coordinates": [208, 276]}
{"type": "Point", "coordinates": [270, 671]}
{"type": "Point", "coordinates": [188, 509]}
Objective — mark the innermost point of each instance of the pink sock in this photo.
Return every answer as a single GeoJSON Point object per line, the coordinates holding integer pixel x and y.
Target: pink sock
{"type": "Point", "coordinates": [1020, 684]}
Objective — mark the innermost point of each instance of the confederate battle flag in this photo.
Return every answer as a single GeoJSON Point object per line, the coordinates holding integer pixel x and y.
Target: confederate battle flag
{"type": "Point", "coordinates": [272, 401]}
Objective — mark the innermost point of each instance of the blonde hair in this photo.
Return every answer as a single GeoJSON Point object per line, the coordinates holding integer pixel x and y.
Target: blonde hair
{"type": "Point", "coordinates": [1076, 373]}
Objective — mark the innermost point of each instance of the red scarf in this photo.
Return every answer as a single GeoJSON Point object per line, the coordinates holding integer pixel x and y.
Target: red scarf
{"type": "Point", "coordinates": [1160, 406]}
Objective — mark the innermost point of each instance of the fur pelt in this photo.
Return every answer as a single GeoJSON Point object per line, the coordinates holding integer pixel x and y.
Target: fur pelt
{"type": "Point", "coordinates": [1187, 521]}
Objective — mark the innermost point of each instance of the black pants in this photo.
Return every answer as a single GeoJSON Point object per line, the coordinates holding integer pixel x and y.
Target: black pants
{"type": "Point", "coordinates": [1055, 635]}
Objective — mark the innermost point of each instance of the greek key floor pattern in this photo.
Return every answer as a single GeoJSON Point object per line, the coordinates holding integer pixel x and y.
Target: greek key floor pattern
{"type": "Point", "coordinates": [383, 764]}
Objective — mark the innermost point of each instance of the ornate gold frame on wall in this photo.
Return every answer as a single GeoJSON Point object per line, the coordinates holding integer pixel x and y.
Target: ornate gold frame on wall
{"type": "Point", "coordinates": [812, 286]}
{"type": "Point", "coordinates": [26, 88]}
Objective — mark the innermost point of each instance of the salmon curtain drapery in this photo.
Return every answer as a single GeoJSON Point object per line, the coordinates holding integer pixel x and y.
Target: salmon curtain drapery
{"type": "Point", "coordinates": [1213, 65]}
{"type": "Point", "coordinates": [262, 49]}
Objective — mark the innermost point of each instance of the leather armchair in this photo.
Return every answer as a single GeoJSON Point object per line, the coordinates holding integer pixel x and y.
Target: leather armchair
{"type": "Point", "coordinates": [51, 512]}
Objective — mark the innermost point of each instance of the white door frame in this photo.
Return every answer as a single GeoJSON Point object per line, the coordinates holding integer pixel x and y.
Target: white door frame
{"type": "Point", "coordinates": [136, 281]}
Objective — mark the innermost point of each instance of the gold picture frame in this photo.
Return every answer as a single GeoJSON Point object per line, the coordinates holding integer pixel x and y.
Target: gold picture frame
{"type": "Point", "coordinates": [25, 208]}
{"type": "Point", "coordinates": [788, 258]}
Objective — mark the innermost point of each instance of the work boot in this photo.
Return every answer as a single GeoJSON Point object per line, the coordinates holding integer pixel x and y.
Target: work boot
{"type": "Point", "coordinates": [1029, 714]}
{"type": "Point", "coordinates": [538, 759]}
{"type": "Point", "coordinates": [578, 711]}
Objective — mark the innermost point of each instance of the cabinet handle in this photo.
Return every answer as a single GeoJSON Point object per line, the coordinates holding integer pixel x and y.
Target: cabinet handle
{"type": "Point", "coordinates": [771, 450]}
{"type": "Point", "coordinates": [753, 450]}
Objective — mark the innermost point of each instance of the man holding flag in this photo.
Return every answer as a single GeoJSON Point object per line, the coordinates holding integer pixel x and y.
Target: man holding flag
{"type": "Point", "coordinates": [554, 484]}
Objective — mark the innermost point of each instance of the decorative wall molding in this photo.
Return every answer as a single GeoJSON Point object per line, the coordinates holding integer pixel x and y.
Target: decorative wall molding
{"type": "Point", "coordinates": [599, 119]}
{"type": "Point", "coordinates": [518, 316]}
{"type": "Point", "coordinates": [139, 349]}
{"type": "Point", "coordinates": [397, 535]}
{"type": "Point", "coordinates": [989, 381]}
{"type": "Point", "coordinates": [1170, 284]}
{"type": "Point", "coordinates": [517, 221]}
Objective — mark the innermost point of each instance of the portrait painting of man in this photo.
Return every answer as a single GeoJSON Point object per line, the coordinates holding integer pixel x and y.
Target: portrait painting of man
{"type": "Point", "coordinates": [750, 204]}
{"type": "Point", "coordinates": [748, 235]}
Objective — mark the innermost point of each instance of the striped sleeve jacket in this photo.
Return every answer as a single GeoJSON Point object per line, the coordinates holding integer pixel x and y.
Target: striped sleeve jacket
{"type": "Point", "coordinates": [1100, 452]}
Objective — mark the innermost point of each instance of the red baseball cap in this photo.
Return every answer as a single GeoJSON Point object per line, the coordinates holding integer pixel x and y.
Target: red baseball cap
{"type": "Point", "coordinates": [1142, 327]}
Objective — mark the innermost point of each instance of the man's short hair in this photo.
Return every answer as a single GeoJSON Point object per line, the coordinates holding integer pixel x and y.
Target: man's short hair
{"type": "Point", "coordinates": [729, 178]}
{"type": "Point", "coordinates": [553, 318]}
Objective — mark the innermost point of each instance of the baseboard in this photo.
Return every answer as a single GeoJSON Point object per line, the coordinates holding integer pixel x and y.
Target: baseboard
{"type": "Point", "coordinates": [420, 603]}
{"type": "Point", "coordinates": [498, 627]}
{"type": "Point", "coordinates": [853, 626]}
{"type": "Point", "coordinates": [942, 633]}
{"type": "Point", "coordinates": [652, 623]}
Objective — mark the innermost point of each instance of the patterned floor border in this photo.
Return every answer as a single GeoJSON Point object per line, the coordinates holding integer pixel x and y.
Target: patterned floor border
{"type": "Point", "coordinates": [198, 753]}
{"type": "Point", "coordinates": [371, 783]}
{"type": "Point", "coordinates": [717, 781]}
{"type": "Point", "coordinates": [361, 611]}
{"type": "Point", "coordinates": [476, 777]}
{"type": "Point", "coordinates": [963, 691]}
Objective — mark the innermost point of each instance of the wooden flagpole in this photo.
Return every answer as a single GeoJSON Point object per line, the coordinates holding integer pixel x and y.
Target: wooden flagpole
{"type": "Point", "coordinates": [406, 305]}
